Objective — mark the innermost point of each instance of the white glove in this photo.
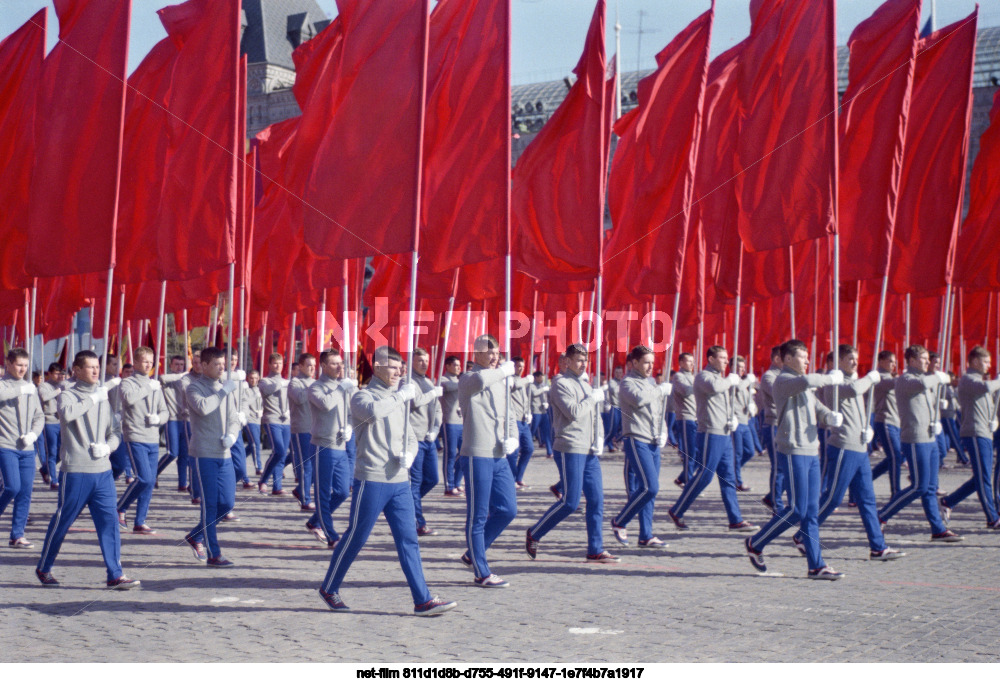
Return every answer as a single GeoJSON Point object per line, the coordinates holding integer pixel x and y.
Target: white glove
{"type": "Point", "coordinates": [284, 382]}
{"type": "Point", "coordinates": [228, 440]}
{"type": "Point", "coordinates": [152, 420]}
{"type": "Point", "coordinates": [836, 377]}
{"type": "Point", "coordinates": [545, 389]}
{"type": "Point", "coordinates": [112, 382]}
{"type": "Point", "coordinates": [665, 388]}
{"type": "Point", "coordinates": [228, 387]}
{"type": "Point", "coordinates": [29, 439]}
{"type": "Point", "coordinates": [241, 418]}
{"type": "Point", "coordinates": [733, 378]}
{"type": "Point", "coordinates": [874, 376]}
{"type": "Point", "coordinates": [238, 375]}
{"type": "Point", "coordinates": [584, 377]}
{"type": "Point", "coordinates": [734, 424]}
{"type": "Point", "coordinates": [528, 418]}
{"type": "Point", "coordinates": [406, 459]}
{"type": "Point", "coordinates": [407, 392]}
{"type": "Point", "coordinates": [869, 435]}
{"type": "Point", "coordinates": [348, 432]}
{"type": "Point", "coordinates": [944, 403]}
{"type": "Point", "coordinates": [29, 389]}
{"type": "Point", "coordinates": [661, 440]}
{"type": "Point", "coordinates": [835, 419]}
{"type": "Point", "coordinates": [99, 395]}
{"type": "Point", "coordinates": [597, 395]}
{"type": "Point", "coordinates": [155, 385]}
{"type": "Point", "coordinates": [752, 409]}
{"type": "Point", "coordinates": [438, 391]}
{"type": "Point", "coordinates": [431, 436]}
{"type": "Point", "coordinates": [100, 450]}
{"type": "Point", "coordinates": [597, 449]}
{"type": "Point", "coordinates": [510, 445]}
{"type": "Point", "coordinates": [937, 428]}
{"type": "Point", "coordinates": [751, 378]}
{"type": "Point", "coordinates": [348, 384]}
{"type": "Point", "coordinates": [507, 368]}
{"type": "Point", "coordinates": [994, 425]}
{"type": "Point", "coordinates": [545, 406]}
{"type": "Point", "coordinates": [944, 377]}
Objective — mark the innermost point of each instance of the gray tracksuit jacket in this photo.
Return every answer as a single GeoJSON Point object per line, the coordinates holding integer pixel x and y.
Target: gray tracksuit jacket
{"type": "Point", "coordinates": [82, 422]}
{"type": "Point", "coordinates": [714, 401]}
{"type": "Point", "coordinates": [379, 416]}
{"type": "Point", "coordinates": [886, 411]}
{"type": "Point", "coordinates": [642, 406]}
{"type": "Point", "coordinates": [916, 399]}
{"type": "Point", "coordinates": [425, 409]}
{"type": "Point", "coordinates": [19, 414]}
{"type": "Point", "coordinates": [951, 410]}
{"type": "Point", "coordinates": [613, 387]}
{"type": "Point", "coordinates": [798, 412]}
{"type": "Point", "coordinates": [450, 412]}
{"type": "Point", "coordinates": [979, 404]}
{"type": "Point", "coordinates": [251, 403]}
{"type": "Point", "coordinates": [519, 401]}
{"type": "Point", "coordinates": [682, 396]}
{"type": "Point", "coordinates": [539, 394]}
{"type": "Point", "coordinates": [575, 416]}
{"type": "Point", "coordinates": [298, 404]}
{"type": "Point", "coordinates": [329, 400]}
{"type": "Point", "coordinates": [851, 396]}
{"type": "Point", "coordinates": [48, 394]}
{"type": "Point", "coordinates": [139, 401]}
{"type": "Point", "coordinates": [767, 394]}
{"type": "Point", "coordinates": [173, 395]}
{"type": "Point", "coordinates": [213, 414]}
{"type": "Point", "coordinates": [482, 398]}
{"type": "Point", "coordinates": [741, 402]}
{"type": "Point", "coordinates": [274, 392]}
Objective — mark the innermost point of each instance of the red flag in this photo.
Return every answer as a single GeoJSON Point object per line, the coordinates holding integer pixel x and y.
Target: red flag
{"type": "Point", "coordinates": [872, 132]}
{"type": "Point", "coordinates": [466, 155]}
{"type": "Point", "coordinates": [78, 140]}
{"type": "Point", "coordinates": [197, 229]}
{"type": "Point", "coordinates": [21, 55]}
{"type": "Point", "coordinates": [977, 265]}
{"type": "Point", "coordinates": [362, 191]}
{"type": "Point", "coordinates": [557, 196]}
{"type": "Point", "coordinates": [934, 165]}
{"type": "Point", "coordinates": [787, 146]}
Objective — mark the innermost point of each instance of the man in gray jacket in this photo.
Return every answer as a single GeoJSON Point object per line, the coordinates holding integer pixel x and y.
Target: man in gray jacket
{"type": "Point", "coordinates": [778, 487]}
{"type": "Point", "coordinates": [489, 434]}
{"type": "Point", "coordinates": [88, 437]}
{"type": "Point", "coordinates": [143, 411]}
{"type": "Point", "coordinates": [21, 423]}
{"type": "Point", "coordinates": [382, 485]}
{"type": "Point", "coordinates": [300, 424]}
{"type": "Point", "coordinates": [48, 395]}
{"type": "Point", "coordinates": [451, 430]}
{"type": "Point", "coordinates": [274, 391]}
{"type": "Point", "coordinates": [686, 417]}
{"type": "Point", "coordinates": [215, 426]}
{"type": "Point", "coordinates": [579, 441]}
{"type": "Point", "coordinates": [887, 422]}
{"type": "Point", "coordinates": [716, 425]}
{"type": "Point", "coordinates": [917, 400]}
{"type": "Point", "coordinates": [978, 396]}
{"type": "Point", "coordinates": [425, 420]}
{"type": "Point", "coordinates": [519, 405]}
{"type": "Point", "coordinates": [798, 417]}
{"type": "Point", "coordinates": [541, 425]}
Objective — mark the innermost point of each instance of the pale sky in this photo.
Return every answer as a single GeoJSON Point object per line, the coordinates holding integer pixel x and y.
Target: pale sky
{"type": "Point", "coordinates": [548, 34]}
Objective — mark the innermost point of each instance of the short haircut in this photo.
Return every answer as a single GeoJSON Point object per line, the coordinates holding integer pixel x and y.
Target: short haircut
{"type": "Point", "coordinates": [684, 356]}
{"type": "Point", "coordinates": [143, 351]}
{"type": "Point", "coordinates": [575, 350]}
{"type": "Point", "coordinates": [54, 367]}
{"type": "Point", "coordinates": [128, 365]}
{"type": "Point", "coordinates": [935, 356]}
{"type": "Point", "coordinates": [791, 347]}
{"type": "Point", "coordinates": [420, 352]}
{"type": "Point", "coordinates": [517, 358]}
{"type": "Point", "coordinates": [713, 351]}
{"type": "Point", "coordinates": [15, 354]}
{"type": "Point", "coordinates": [327, 354]}
{"type": "Point", "coordinates": [913, 352]}
{"type": "Point", "coordinates": [275, 356]}
{"type": "Point", "coordinates": [829, 358]}
{"type": "Point", "coordinates": [383, 354]}
{"type": "Point", "coordinates": [212, 354]}
{"type": "Point", "coordinates": [80, 359]}
{"type": "Point", "coordinates": [885, 355]}
{"type": "Point", "coordinates": [112, 356]}
{"type": "Point", "coordinates": [738, 359]}
{"type": "Point", "coordinates": [306, 356]}
{"type": "Point", "coordinates": [775, 352]}
{"type": "Point", "coordinates": [638, 353]}
{"type": "Point", "coordinates": [538, 373]}
{"type": "Point", "coordinates": [452, 358]}
{"type": "Point", "coordinates": [845, 349]}
{"type": "Point", "coordinates": [253, 372]}
{"type": "Point", "coordinates": [177, 357]}
{"type": "Point", "coordinates": [978, 352]}
{"type": "Point", "coordinates": [485, 342]}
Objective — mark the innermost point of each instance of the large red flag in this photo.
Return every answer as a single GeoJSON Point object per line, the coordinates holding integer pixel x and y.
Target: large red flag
{"type": "Point", "coordinates": [977, 265]}
{"type": "Point", "coordinates": [361, 192]}
{"type": "Point", "coordinates": [197, 229]}
{"type": "Point", "coordinates": [466, 156]}
{"type": "Point", "coordinates": [872, 132]}
{"type": "Point", "coordinates": [78, 139]}
{"type": "Point", "coordinates": [937, 145]}
{"type": "Point", "coordinates": [557, 195]}
{"type": "Point", "coordinates": [21, 55]}
{"type": "Point", "coordinates": [787, 148]}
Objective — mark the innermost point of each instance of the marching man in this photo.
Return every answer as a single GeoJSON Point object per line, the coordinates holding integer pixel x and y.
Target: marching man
{"type": "Point", "coordinates": [21, 423]}
{"type": "Point", "coordinates": [425, 420]}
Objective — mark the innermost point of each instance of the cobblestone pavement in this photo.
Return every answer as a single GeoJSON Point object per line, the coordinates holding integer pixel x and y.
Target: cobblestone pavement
{"type": "Point", "coordinates": [697, 600]}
